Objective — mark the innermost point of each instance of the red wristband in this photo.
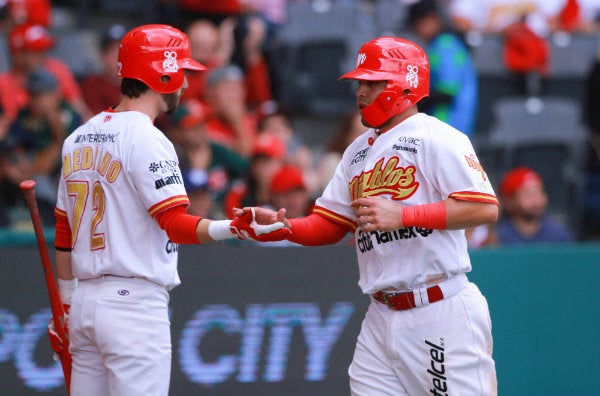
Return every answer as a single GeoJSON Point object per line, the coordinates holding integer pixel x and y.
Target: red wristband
{"type": "Point", "coordinates": [431, 216]}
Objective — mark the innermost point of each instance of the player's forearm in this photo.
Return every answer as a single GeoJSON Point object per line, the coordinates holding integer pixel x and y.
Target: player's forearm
{"type": "Point", "coordinates": [63, 265]}
{"type": "Point", "coordinates": [219, 230]}
{"type": "Point", "coordinates": [464, 214]}
{"type": "Point", "coordinates": [315, 230]}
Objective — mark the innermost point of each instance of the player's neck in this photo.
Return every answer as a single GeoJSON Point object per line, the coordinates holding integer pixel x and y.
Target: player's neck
{"type": "Point", "coordinates": [395, 120]}
{"type": "Point", "coordinates": [146, 104]}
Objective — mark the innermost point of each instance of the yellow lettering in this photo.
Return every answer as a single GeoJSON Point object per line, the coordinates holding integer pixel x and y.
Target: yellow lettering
{"type": "Point", "coordinates": [390, 179]}
{"type": "Point", "coordinates": [87, 159]}
{"type": "Point", "coordinates": [76, 160]}
{"type": "Point", "coordinates": [103, 165]}
{"type": "Point", "coordinates": [66, 164]}
{"type": "Point", "coordinates": [113, 171]}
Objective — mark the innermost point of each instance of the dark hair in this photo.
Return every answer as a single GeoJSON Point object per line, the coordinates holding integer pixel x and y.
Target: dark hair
{"type": "Point", "coordinates": [133, 88]}
{"type": "Point", "coordinates": [420, 10]}
{"type": "Point", "coordinates": [113, 34]}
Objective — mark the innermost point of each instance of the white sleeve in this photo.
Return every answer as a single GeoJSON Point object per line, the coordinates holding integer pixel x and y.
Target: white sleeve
{"type": "Point", "coordinates": [155, 170]}
{"type": "Point", "coordinates": [455, 167]}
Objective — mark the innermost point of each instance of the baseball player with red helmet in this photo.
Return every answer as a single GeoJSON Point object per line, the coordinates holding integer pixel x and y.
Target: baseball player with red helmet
{"type": "Point", "coordinates": [121, 213]}
{"type": "Point", "coordinates": [407, 188]}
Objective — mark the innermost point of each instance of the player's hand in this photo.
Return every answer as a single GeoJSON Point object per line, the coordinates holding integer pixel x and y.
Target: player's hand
{"type": "Point", "coordinates": [245, 226]}
{"type": "Point", "coordinates": [56, 342]}
{"type": "Point", "coordinates": [377, 214]}
{"type": "Point", "coordinates": [264, 215]}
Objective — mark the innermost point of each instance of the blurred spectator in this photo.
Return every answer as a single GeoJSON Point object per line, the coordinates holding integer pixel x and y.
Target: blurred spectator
{"type": "Point", "coordinates": [211, 45]}
{"type": "Point", "coordinates": [273, 12]}
{"type": "Point", "coordinates": [36, 136]}
{"type": "Point", "coordinates": [102, 90]}
{"type": "Point", "coordinates": [577, 16]}
{"type": "Point", "coordinates": [13, 170]}
{"type": "Point", "coordinates": [254, 189]}
{"type": "Point", "coordinates": [29, 46]}
{"type": "Point", "coordinates": [6, 201]}
{"type": "Point", "coordinates": [525, 218]}
{"type": "Point", "coordinates": [229, 120]}
{"type": "Point", "coordinates": [349, 129]}
{"type": "Point", "coordinates": [453, 79]}
{"type": "Point", "coordinates": [198, 192]}
{"type": "Point", "coordinates": [4, 124]}
{"type": "Point", "coordinates": [236, 40]}
{"type": "Point", "coordinates": [21, 12]}
{"type": "Point", "coordinates": [527, 56]}
{"type": "Point", "coordinates": [224, 7]}
{"type": "Point", "coordinates": [591, 115]}
{"type": "Point", "coordinates": [204, 163]}
{"type": "Point", "coordinates": [289, 191]}
{"type": "Point", "coordinates": [279, 124]}
{"type": "Point", "coordinates": [249, 54]}
{"type": "Point", "coordinates": [494, 16]}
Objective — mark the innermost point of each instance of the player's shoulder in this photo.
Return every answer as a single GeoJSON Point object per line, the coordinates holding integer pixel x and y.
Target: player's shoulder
{"type": "Point", "coordinates": [439, 130]}
{"type": "Point", "coordinates": [359, 145]}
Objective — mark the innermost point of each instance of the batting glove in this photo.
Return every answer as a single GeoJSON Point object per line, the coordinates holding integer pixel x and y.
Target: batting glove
{"type": "Point", "coordinates": [246, 227]}
{"type": "Point", "coordinates": [56, 342]}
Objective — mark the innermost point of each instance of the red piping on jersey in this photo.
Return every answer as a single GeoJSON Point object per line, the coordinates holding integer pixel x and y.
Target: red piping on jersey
{"type": "Point", "coordinates": [169, 203]}
{"type": "Point", "coordinates": [475, 197]}
{"type": "Point", "coordinates": [328, 214]}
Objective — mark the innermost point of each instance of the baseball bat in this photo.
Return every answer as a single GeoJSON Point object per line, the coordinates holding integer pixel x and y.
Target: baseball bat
{"type": "Point", "coordinates": [56, 305]}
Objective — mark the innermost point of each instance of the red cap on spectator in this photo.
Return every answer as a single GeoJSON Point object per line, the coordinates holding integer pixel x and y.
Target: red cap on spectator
{"type": "Point", "coordinates": [31, 38]}
{"type": "Point", "coordinates": [518, 178]}
{"type": "Point", "coordinates": [287, 178]}
{"type": "Point", "coordinates": [269, 145]}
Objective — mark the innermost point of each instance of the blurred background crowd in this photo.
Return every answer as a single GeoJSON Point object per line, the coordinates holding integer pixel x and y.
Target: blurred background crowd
{"type": "Point", "coordinates": [269, 120]}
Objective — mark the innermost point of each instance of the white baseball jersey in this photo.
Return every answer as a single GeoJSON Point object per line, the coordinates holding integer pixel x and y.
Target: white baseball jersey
{"type": "Point", "coordinates": [118, 171]}
{"type": "Point", "coordinates": [422, 160]}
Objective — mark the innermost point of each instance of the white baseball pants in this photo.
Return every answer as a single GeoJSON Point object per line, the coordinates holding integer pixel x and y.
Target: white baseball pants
{"type": "Point", "coordinates": [120, 338]}
{"type": "Point", "coordinates": [444, 348]}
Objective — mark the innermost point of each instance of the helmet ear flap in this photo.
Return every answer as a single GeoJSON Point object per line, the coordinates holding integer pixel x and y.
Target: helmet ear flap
{"type": "Point", "coordinates": [387, 104]}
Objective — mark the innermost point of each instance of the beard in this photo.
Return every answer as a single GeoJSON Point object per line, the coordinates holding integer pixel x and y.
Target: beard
{"type": "Point", "coordinates": [172, 101]}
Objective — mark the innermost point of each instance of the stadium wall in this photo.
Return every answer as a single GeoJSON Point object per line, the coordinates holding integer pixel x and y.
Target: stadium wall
{"type": "Point", "coordinates": [283, 321]}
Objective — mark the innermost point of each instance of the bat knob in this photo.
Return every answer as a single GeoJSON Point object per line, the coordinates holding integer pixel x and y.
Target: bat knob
{"type": "Point", "coordinates": [27, 185]}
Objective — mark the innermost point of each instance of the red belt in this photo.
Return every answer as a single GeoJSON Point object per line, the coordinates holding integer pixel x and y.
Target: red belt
{"type": "Point", "coordinates": [406, 300]}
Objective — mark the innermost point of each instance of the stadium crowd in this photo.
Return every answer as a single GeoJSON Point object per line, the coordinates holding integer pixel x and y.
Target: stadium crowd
{"type": "Point", "coordinates": [239, 137]}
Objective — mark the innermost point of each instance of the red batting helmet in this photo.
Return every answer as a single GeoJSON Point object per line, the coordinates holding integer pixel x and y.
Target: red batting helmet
{"type": "Point", "coordinates": [405, 67]}
{"type": "Point", "coordinates": [156, 55]}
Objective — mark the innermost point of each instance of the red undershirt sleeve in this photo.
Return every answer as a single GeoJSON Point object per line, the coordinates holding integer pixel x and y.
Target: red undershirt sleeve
{"type": "Point", "coordinates": [316, 230]}
{"type": "Point", "coordinates": [62, 236]}
{"type": "Point", "coordinates": [179, 225]}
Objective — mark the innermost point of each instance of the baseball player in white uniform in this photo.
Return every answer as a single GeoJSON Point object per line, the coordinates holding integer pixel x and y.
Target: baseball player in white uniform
{"type": "Point", "coordinates": [121, 213]}
{"type": "Point", "coordinates": [407, 188]}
